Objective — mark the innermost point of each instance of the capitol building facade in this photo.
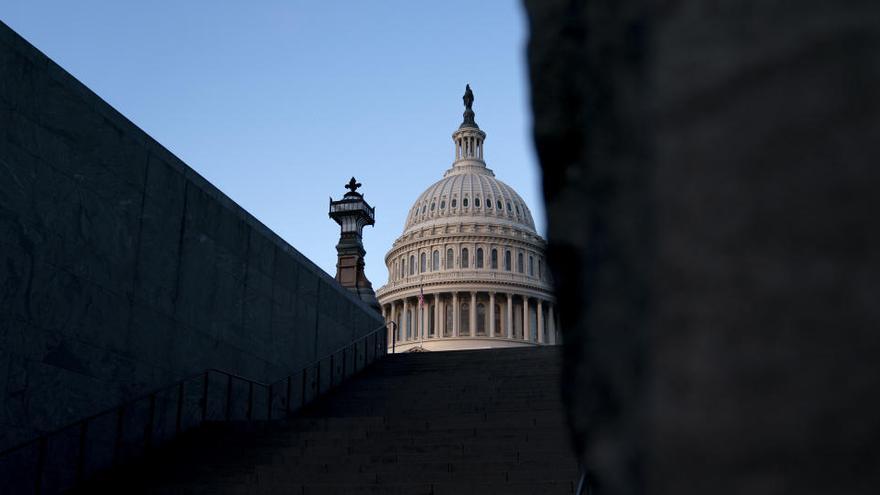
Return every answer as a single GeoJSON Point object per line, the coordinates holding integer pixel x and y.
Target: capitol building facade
{"type": "Point", "coordinates": [469, 270]}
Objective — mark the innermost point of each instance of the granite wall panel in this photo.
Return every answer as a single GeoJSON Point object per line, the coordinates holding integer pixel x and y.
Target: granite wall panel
{"type": "Point", "coordinates": [122, 270]}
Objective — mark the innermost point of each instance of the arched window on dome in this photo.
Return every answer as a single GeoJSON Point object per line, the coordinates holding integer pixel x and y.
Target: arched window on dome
{"type": "Point", "coordinates": [412, 265]}
{"type": "Point", "coordinates": [464, 258]}
{"type": "Point", "coordinates": [423, 263]}
{"type": "Point", "coordinates": [443, 204]}
{"type": "Point", "coordinates": [476, 202]}
{"type": "Point", "coordinates": [531, 266]}
{"type": "Point", "coordinates": [507, 260]}
{"type": "Point", "coordinates": [494, 259]}
{"type": "Point", "coordinates": [478, 263]}
{"type": "Point", "coordinates": [432, 205]}
{"type": "Point", "coordinates": [489, 203]}
{"type": "Point", "coordinates": [498, 204]}
{"type": "Point", "coordinates": [481, 319]}
{"type": "Point", "coordinates": [540, 269]}
{"type": "Point", "coordinates": [464, 325]}
{"type": "Point", "coordinates": [435, 261]}
{"type": "Point", "coordinates": [450, 259]}
{"type": "Point", "coordinates": [508, 206]}
{"type": "Point", "coordinates": [519, 262]}
{"type": "Point", "coordinates": [464, 202]}
{"type": "Point", "coordinates": [454, 202]}
{"type": "Point", "coordinates": [424, 207]}
{"type": "Point", "coordinates": [402, 267]}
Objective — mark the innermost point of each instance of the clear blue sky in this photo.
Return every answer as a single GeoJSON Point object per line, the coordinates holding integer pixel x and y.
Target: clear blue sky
{"type": "Point", "coordinates": [278, 103]}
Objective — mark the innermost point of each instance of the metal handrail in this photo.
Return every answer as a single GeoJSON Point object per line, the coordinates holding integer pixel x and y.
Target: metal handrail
{"type": "Point", "coordinates": [380, 344]}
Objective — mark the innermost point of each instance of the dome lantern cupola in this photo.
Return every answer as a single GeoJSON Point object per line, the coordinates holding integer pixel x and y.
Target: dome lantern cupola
{"type": "Point", "coordinates": [468, 138]}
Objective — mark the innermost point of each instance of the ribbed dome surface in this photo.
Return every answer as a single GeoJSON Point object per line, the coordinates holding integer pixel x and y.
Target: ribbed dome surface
{"type": "Point", "coordinates": [470, 194]}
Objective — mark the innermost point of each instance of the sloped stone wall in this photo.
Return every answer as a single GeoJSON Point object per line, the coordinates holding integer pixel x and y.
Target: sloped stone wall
{"type": "Point", "coordinates": [121, 269]}
{"type": "Point", "coordinates": [712, 182]}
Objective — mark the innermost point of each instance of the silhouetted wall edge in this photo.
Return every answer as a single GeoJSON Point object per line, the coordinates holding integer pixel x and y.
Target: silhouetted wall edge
{"type": "Point", "coordinates": [122, 269]}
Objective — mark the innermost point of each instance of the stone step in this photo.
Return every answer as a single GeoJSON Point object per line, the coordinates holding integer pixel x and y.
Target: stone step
{"type": "Point", "coordinates": [449, 422]}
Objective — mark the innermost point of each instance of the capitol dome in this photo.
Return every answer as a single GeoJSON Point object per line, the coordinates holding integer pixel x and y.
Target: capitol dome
{"type": "Point", "coordinates": [469, 269]}
{"type": "Point", "coordinates": [466, 193]}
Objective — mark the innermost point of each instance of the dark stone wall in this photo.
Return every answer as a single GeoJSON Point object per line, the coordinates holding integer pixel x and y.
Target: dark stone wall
{"type": "Point", "coordinates": [711, 177]}
{"type": "Point", "coordinates": [121, 269]}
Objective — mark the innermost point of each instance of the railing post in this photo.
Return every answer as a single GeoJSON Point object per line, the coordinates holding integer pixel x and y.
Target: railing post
{"type": "Point", "coordinates": [42, 451]}
{"type": "Point", "coordinates": [318, 380]}
{"type": "Point", "coordinates": [205, 399]}
{"type": "Point", "coordinates": [179, 418]}
{"type": "Point", "coordinates": [81, 458]}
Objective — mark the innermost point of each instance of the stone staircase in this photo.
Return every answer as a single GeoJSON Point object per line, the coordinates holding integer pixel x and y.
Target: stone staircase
{"type": "Point", "coordinates": [488, 421]}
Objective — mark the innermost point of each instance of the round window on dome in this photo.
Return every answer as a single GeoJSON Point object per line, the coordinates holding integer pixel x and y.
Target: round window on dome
{"type": "Point", "coordinates": [454, 202]}
{"type": "Point", "coordinates": [464, 202]}
{"type": "Point", "coordinates": [443, 204]}
{"type": "Point", "coordinates": [476, 202]}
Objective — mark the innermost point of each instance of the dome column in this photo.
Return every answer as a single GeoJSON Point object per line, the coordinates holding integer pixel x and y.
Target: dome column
{"type": "Point", "coordinates": [540, 323]}
{"type": "Point", "coordinates": [472, 314]}
{"type": "Point", "coordinates": [526, 324]}
{"type": "Point", "coordinates": [395, 311]}
{"type": "Point", "coordinates": [456, 314]}
{"type": "Point", "coordinates": [492, 314]}
{"type": "Point", "coordinates": [509, 323]}
{"type": "Point", "coordinates": [405, 333]}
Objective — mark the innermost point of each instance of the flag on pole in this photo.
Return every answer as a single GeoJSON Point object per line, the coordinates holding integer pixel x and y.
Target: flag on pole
{"type": "Point", "coordinates": [421, 297]}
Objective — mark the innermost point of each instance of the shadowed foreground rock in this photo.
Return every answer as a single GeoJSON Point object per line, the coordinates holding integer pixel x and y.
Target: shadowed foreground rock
{"type": "Point", "coordinates": [711, 177]}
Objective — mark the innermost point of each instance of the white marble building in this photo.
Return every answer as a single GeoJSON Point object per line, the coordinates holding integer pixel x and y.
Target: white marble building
{"type": "Point", "coordinates": [470, 250]}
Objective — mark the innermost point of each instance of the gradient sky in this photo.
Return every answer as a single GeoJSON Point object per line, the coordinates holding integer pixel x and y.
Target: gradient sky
{"type": "Point", "coordinates": [278, 103]}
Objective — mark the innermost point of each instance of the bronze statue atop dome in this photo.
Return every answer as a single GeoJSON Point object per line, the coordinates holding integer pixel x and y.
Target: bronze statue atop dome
{"type": "Point", "coordinates": [468, 110]}
{"type": "Point", "coordinates": [468, 97]}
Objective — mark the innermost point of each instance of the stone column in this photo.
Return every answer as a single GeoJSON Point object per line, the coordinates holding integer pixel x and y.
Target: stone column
{"type": "Point", "coordinates": [492, 314]}
{"type": "Point", "coordinates": [508, 325]}
{"type": "Point", "coordinates": [406, 324]}
{"type": "Point", "coordinates": [526, 330]}
{"type": "Point", "coordinates": [436, 316]}
{"type": "Point", "coordinates": [441, 305]}
{"type": "Point", "coordinates": [455, 314]}
{"type": "Point", "coordinates": [473, 315]}
{"type": "Point", "coordinates": [540, 325]}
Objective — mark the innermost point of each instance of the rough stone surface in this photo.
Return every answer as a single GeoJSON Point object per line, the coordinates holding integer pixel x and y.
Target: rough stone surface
{"type": "Point", "coordinates": [710, 171]}
{"type": "Point", "coordinates": [121, 269]}
{"type": "Point", "coordinates": [466, 422]}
